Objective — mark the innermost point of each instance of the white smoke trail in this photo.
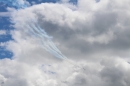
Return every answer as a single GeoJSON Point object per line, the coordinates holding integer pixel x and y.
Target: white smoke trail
{"type": "Point", "coordinates": [46, 41]}
{"type": "Point", "coordinates": [36, 31]}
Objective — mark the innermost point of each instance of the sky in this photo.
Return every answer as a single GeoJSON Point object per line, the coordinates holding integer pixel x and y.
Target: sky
{"type": "Point", "coordinates": [89, 44]}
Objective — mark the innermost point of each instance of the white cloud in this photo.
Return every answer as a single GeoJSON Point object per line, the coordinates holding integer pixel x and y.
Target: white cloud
{"type": "Point", "coordinates": [4, 14]}
{"type": "Point", "coordinates": [2, 44]}
{"type": "Point", "coordinates": [2, 32]}
{"type": "Point", "coordinates": [103, 38]}
{"type": "Point", "coordinates": [95, 36]}
{"type": "Point", "coordinates": [115, 73]}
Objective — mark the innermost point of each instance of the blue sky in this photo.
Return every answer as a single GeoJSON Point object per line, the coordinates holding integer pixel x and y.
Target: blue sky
{"type": "Point", "coordinates": [5, 25]}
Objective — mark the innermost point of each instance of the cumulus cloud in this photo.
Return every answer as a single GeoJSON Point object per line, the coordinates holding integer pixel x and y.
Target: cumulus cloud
{"type": "Point", "coordinates": [4, 14]}
{"type": "Point", "coordinates": [2, 32]}
{"type": "Point", "coordinates": [93, 35]}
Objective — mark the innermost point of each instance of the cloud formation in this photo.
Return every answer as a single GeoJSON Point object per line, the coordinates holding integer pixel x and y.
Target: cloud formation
{"type": "Point", "coordinates": [2, 32]}
{"type": "Point", "coordinates": [94, 35]}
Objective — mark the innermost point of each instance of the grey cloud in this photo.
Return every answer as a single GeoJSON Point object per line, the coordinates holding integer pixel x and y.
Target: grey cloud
{"type": "Point", "coordinates": [113, 73]}
{"type": "Point", "coordinates": [95, 38]}
{"type": "Point", "coordinates": [18, 82]}
{"type": "Point", "coordinates": [84, 32]}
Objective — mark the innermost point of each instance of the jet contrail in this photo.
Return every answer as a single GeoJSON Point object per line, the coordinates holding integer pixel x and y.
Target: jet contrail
{"type": "Point", "coordinates": [46, 41]}
{"type": "Point", "coordinates": [36, 30]}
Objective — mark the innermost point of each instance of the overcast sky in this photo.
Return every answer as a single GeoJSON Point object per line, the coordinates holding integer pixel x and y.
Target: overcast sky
{"type": "Point", "coordinates": [94, 35]}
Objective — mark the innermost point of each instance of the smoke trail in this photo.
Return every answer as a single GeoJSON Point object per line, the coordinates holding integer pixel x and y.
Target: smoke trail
{"type": "Point", "coordinates": [37, 31]}
{"type": "Point", "coordinates": [46, 41]}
